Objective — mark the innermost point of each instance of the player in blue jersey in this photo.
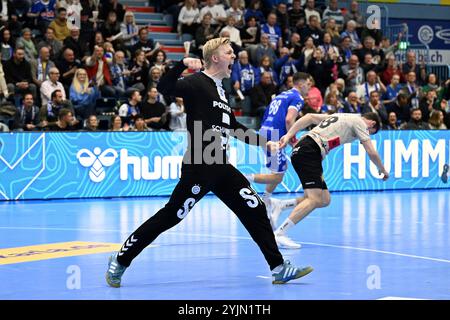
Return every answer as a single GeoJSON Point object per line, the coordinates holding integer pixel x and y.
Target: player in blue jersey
{"type": "Point", "coordinates": [280, 115]}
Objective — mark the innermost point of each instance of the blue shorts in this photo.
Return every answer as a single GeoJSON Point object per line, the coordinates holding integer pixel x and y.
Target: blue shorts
{"type": "Point", "coordinates": [275, 162]}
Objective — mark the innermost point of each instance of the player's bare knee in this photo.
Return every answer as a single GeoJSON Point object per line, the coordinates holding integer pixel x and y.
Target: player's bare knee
{"type": "Point", "coordinates": [277, 178]}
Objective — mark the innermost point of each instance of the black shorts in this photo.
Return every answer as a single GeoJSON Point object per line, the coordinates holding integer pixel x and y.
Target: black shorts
{"type": "Point", "coordinates": [307, 162]}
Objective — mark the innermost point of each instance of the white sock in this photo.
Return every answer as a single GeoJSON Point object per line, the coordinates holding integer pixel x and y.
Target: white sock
{"type": "Point", "coordinates": [250, 177]}
{"type": "Point", "coordinates": [289, 203]}
{"type": "Point", "coordinates": [284, 227]}
{"type": "Point", "coordinates": [278, 269]}
{"type": "Point", "coordinates": [266, 198]}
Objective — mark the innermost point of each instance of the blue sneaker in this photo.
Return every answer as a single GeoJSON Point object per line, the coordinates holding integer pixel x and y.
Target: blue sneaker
{"type": "Point", "coordinates": [289, 272]}
{"type": "Point", "coordinates": [115, 271]}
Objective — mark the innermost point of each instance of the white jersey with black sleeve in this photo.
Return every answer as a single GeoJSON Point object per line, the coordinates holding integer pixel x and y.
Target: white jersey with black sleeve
{"type": "Point", "coordinates": [338, 129]}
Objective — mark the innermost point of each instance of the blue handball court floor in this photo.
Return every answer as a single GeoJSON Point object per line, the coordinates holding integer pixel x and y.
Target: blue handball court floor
{"type": "Point", "coordinates": [386, 245]}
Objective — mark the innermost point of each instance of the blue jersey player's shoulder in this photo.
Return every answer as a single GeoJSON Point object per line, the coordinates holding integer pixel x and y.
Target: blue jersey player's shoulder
{"type": "Point", "coordinates": [295, 100]}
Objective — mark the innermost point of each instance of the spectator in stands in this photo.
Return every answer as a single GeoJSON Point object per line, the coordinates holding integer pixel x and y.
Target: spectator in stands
{"type": "Point", "coordinates": [139, 124]}
{"type": "Point", "coordinates": [65, 122]}
{"type": "Point", "coordinates": [266, 66]}
{"type": "Point", "coordinates": [390, 69]}
{"type": "Point", "coordinates": [355, 15]}
{"type": "Point", "coordinates": [310, 10]}
{"type": "Point", "coordinates": [98, 40]}
{"type": "Point", "coordinates": [48, 114]}
{"type": "Point", "coordinates": [235, 36]}
{"type": "Point", "coordinates": [99, 74]}
{"type": "Point", "coordinates": [375, 105]}
{"type": "Point", "coordinates": [412, 89]}
{"type": "Point", "coordinates": [308, 51]}
{"type": "Point", "coordinates": [296, 14]}
{"type": "Point", "coordinates": [120, 73]}
{"type": "Point", "coordinates": [83, 94]}
{"type": "Point", "coordinates": [4, 93]}
{"type": "Point", "coordinates": [392, 90]}
{"type": "Point", "coordinates": [392, 123]}
{"type": "Point", "coordinates": [431, 84]}
{"type": "Point", "coordinates": [261, 95]}
{"type": "Point", "coordinates": [436, 121]}
{"type": "Point", "coordinates": [205, 32]}
{"type": "Point", "coordinates": [283, 20]}
{"type": "Point", "coordinates": [288, 84]}
{"type": "Point", "coordinates": [401, 107]}
{"type": "Point", "coordinates": [75, 42]}
{"type": "Point", "coordinates": [416, 122]}
{"type": "Point", "coordinates": [345, 52]}
{"type": "Point", "coordinates": [18, 74]}
{"type": "Point", "coordinates": [295, 46]}
{"type": "Point", "coordinates": [188, 17]}
{"type": "Point", "coordinates": [40, 68]}
{"type": "Point", "coordinates": [218, 14]}
{"type": "Point", "coordinates": [332, 104]}
{"type": "Point", "coordinates": [7, 45]}
{"type": "Point", "coordinates": [251, 35]}
{"type": "Point", "coordinates": [352, 104]}
{"type": "Point", "coordinates": [411, 66]}
{"type": "Point", "coordinates": [27, 44]}
{"type": "Point", "coordinates": [50, 85]}
{"type": "Point", "coordinates": [286, 65]}
{"type": "Point", "coordinates": [111, 30]}
{"type": "Point", "coordinates": [116, 124]}
{"type": "Point", "coordinates": [264, 48]}
{"type": "Point", "coordinates": [50, 42]}
{"type": "Point", "coordinates": [60, 25]}
{"type": "Point", "coordinates": [88, 27]}
{"type": "Point", "coordinates": [153, 111]}
{"type": "Point", "coordinates": [44, 11]}
{"type": "Point", "coordinates": [254, 10]}
{"type": "Point", "coordinates": [67, 66]}
{"type": "Point", "coordinates": [333, 11]}
{"type": "Point", "coordinates": [155, 77]}
{"type": "Point", "coordinates": [236, 11]}
{"type": "Point", "coordinates": [338, 87]}
{"type": "Point", "coordinates": [139, 71]}
{"type": "Point", "coordinates": [427, 104]}
{"type": "Point", "coordinates": [27, 115]}
{"type": "Point", "coordinates": [129, 30]}
{"type": "Point", "coordinates": [332, 28]}
{"type": "Point", "coordinates": [145, 44]}
{"type": "Point", "coordinates": [328, 49]}
{"type": "Point", "coordinates": [159, 60]}
{"type": "Point", "coordinates": [369, 64]}
{"type": "Point", "coordinates": [111, 5]}
{"type": "Point", "coordinates": [312, 30]}
{"type": "Point", "coordinates": [129, 110]}
{"type": "Point", "coordinates": [244, 76]}
{"type": "Point", "coordinates": [320, 68]}
{"type": "Point", "coordinates": [177, 115]}
{"type": "Point", "coordinates": [350, 31]}
{"type": "Point", "coordinates": [91, 123]}
{"type": "Point", "coordinates": [314, 100]}
{"type": "Point", "coordinates": [352, 73]}
{"type": "Point", "coordinates": [373, 83]}
{"type": "Point", "coordinates": [14, 25]}
{"type": "Point", "coordinates": [388, 49]}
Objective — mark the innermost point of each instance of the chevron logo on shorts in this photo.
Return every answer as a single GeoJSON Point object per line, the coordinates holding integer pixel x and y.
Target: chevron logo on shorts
{"type": "Point", "coordinates": [127, 245]}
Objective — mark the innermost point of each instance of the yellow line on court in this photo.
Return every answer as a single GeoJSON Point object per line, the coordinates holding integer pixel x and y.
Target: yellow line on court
{"type": "Point", "coordinates": [54, 250]}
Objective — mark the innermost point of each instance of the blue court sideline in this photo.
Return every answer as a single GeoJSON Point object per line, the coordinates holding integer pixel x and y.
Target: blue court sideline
{"type": "Point", "coordinates": [364, 246]}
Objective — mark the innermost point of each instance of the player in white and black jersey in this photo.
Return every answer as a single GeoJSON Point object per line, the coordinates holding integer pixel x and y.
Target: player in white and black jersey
{"type": "Point", "coordinates": [210, 122]}
{"type": "Point", "coordinates": [331, 131]}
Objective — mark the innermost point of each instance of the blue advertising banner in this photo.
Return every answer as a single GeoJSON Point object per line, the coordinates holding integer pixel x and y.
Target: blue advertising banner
{"type": "Point", "coordinates": [434, 33]}
{"type": "Point", "coordinates": [117, 164]}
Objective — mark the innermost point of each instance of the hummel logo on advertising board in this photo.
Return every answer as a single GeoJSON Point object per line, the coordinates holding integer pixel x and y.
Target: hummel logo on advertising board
{"type": "Point", "coordinates": [97, 161]}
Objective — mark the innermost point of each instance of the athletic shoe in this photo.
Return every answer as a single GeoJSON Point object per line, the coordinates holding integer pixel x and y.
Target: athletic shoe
{"type": "Point", "coordinates": [444, 176]}
{"type": "Point", "coordinates": [115, 272]}
{"type": "Point", "coordinates": [285, 242]}
{"type": "Point", "coordinates": [276, 206]}
{"type": "Point", "coordinates": [289, 272]}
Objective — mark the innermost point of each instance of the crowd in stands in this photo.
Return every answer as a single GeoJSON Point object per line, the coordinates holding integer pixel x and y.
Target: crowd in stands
{"type": "Point", "coordinates": [69, 65]}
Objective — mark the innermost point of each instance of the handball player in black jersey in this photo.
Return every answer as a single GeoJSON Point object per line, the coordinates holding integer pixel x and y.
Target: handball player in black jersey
{"type": "Point", "coordinates": [205, 168]}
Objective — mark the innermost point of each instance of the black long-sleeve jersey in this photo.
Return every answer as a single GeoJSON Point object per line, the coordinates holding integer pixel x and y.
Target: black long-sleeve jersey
{"type": "Point", "coordinates": [209, 118]}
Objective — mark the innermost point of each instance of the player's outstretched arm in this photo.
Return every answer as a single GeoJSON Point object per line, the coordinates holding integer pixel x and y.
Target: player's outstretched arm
{"type": "Point", "coordinates": [167, 84]}
{"type": "Point", "coordinates": [375, 158]}
{"type": "Point", "coordinates": [302, 123]}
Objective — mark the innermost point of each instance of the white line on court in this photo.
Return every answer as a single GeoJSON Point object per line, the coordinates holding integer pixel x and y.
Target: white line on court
{"type": "Point", "coordinates": [239, 238]}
